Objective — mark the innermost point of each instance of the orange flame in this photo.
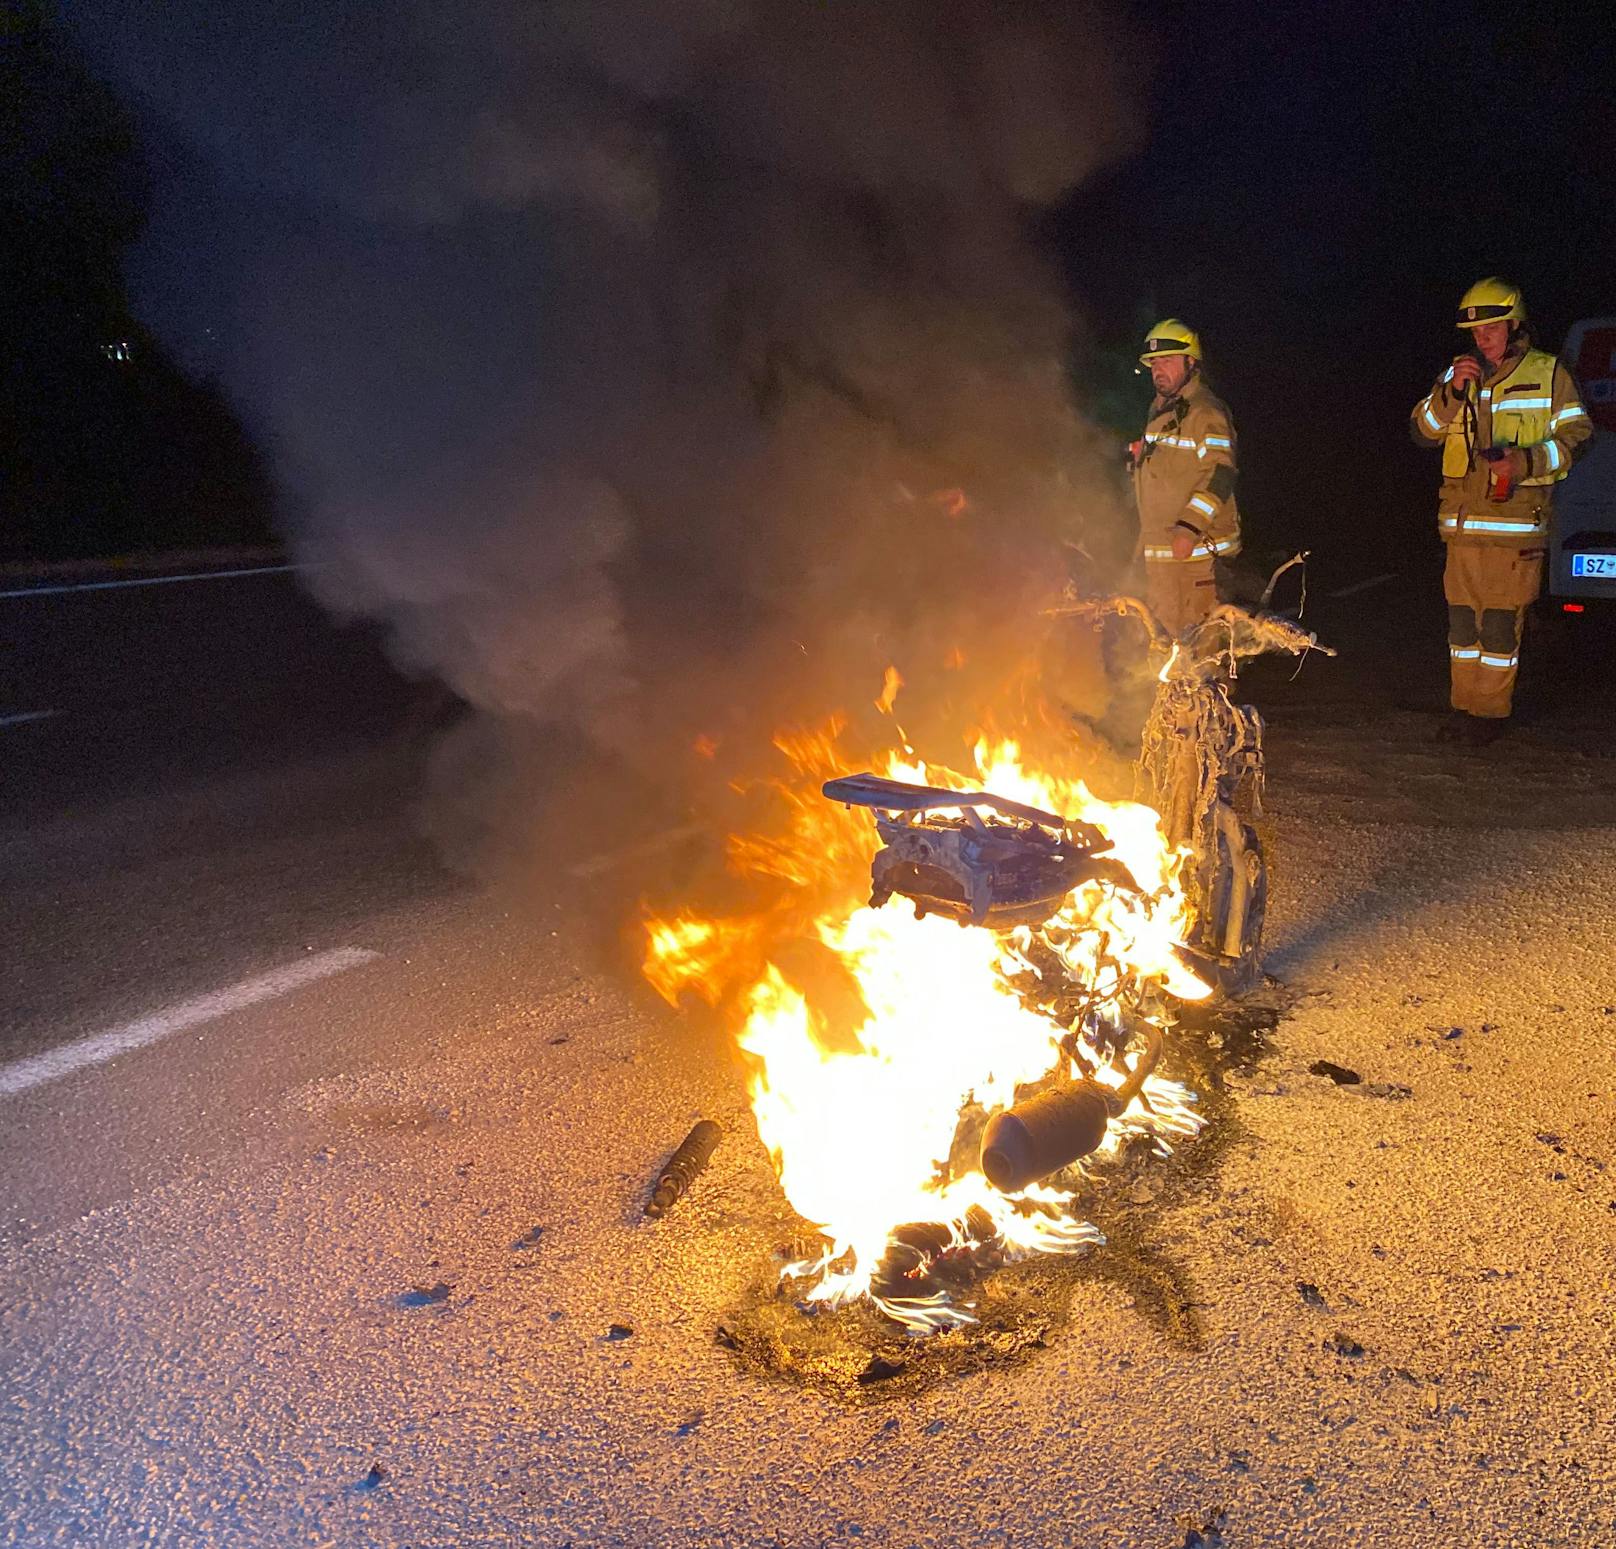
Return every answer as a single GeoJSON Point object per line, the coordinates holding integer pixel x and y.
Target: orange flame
{"type": "Point", "coordinates": [860, 1125]}
{"type": "Point", "coordinates": [891, 682]}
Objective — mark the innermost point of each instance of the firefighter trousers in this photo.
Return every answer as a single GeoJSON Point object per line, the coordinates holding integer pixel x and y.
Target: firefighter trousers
{"type": "Point", "coordinates": [1488, 588]}
{"type": "Point", "coordinates": [1180, 591]}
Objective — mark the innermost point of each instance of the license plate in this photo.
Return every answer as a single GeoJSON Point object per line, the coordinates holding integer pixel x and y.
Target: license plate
{"type": "Point", "coordinates": [1594, 564]}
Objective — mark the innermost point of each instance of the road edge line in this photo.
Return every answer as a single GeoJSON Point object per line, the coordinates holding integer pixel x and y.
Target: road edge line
{"type": "Point", "coordinates": [67, 1059]}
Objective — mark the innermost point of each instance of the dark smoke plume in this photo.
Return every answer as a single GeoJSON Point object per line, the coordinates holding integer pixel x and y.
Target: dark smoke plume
{"type": "Point", "coordinates": [660, 371]}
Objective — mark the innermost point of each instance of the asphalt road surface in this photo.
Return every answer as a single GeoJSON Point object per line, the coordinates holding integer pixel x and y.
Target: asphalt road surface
{"type": "Point", "coordinates": [324, 1165]}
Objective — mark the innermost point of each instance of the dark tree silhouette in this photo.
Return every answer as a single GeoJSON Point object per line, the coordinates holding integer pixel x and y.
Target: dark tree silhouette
{"type": "Point", "coordinates": [105, 445]}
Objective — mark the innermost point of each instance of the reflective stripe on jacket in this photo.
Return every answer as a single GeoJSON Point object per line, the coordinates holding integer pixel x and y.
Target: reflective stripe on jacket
{"type": "Point", "coordinates": [1184, 475]}
{"type": "Point", "coordinates": [1529, 402]}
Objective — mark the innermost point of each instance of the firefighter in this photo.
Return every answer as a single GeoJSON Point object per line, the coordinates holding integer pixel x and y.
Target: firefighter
{"type": "Point", "coordinates": [1183, 480]}
{"type": "Point", "coordinates": [1510, 424]}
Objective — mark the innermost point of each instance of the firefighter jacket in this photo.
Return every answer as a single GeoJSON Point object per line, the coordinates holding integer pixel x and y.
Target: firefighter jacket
{"type": "Point", "coordinates": [1530, 401]}
{"type": "Point", "coordinates": [1183, 475]}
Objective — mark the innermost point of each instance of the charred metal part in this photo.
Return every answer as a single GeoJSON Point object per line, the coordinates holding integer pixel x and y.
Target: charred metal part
{"type": "Point", "coordinates": [684, 1167]}
{"type": "Point", "coordinates": [1201, 767]}
{"type": "Point", "coordinates": [1061, 1124]}
{"type": "Point", "coordinates": [1205, 965]}
{"type": "Point", "coordinates": [913, 1251]}
{"type": "Point", "coordinates": [868, 790]}
{"type": "Point", "coordinates": [928, 1238]}
{"type": "Point", "coordinates": [1016, 868]}
{"type": "Point", "coordinates": [931, 1258]}
{"type": "Point", "coordinates": [1044, 1134]}
{"type": "Point", "coordinates": [1296, 559]}
{"type": "Point", "coordinates": [1201, 763]}
{"type": "Point", "coordinates": [1237, 900]}
{"type": "Point", "coordinates": [933, 1238]}
{"type": "Point", "coordinates": [1098, 609]}
{"type": "Point", "coordinates": [993, 875]}
{"type": "Point", "coordinates": [1148, 1059]}
{"type": "Point", "coordinates": [979, 1225]}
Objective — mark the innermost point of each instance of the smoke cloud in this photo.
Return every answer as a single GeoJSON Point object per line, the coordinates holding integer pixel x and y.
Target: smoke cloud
{"type": "Point", "coordinates": [660, 372]}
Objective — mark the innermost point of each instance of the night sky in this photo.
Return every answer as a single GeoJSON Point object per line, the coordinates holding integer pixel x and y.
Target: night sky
{"type": "Point", "coordinates": [1316, 186]}
{"type": "Point", "coordinates": [1321, 184]}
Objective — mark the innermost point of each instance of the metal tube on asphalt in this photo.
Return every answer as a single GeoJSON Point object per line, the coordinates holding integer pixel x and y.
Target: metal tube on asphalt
{"type": "Point", "coordinates": [1044, 1134]}
{"type": "Point", "coordinates": [684, 1167]}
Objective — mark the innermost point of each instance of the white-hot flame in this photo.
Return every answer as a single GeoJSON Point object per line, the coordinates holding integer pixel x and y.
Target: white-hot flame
{"type": "Point", "coordinates": [861, 1132]}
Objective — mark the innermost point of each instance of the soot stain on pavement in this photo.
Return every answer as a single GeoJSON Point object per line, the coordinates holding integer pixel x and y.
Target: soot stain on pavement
{"type": "Point", "coordinates": [860, 1357]}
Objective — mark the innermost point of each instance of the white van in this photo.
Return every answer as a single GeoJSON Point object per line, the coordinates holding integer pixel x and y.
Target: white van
{"type": "Point", "coordinates": [1582, 540]}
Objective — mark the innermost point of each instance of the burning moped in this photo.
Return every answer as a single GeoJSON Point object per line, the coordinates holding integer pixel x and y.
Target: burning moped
{"type": "Point", "coordinates": [987, 861]}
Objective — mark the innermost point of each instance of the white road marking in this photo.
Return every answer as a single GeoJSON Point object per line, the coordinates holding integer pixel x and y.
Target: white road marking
{"type": "Point", "coordinates": [155, 580]}
{"type": "Point", "coordinates": [22, 717]}
{"type": "Point", "coordinates": [36, 1069]}
{"type": "Point", "coordinates": [1364, 586]}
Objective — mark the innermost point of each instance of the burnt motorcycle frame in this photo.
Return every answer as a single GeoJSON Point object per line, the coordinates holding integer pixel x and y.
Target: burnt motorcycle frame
{"type": "Point", "coordinates": [1201, 767]}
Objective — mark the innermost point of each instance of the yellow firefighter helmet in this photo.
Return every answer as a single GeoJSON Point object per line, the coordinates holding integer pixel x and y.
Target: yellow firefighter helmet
{"type": "Point", "coordinates": [1171, 337]}
{"type": "Point", "coordinates": [1491, 301]}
